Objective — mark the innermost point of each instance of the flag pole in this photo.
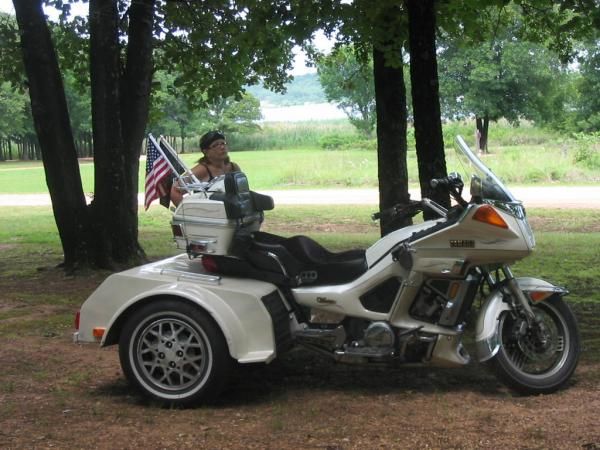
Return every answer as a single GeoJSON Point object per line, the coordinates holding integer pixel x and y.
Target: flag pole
{"type": "Point", "coordinates": [186, 176]}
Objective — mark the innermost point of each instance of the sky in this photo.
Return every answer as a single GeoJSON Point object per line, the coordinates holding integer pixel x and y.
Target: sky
{"type": "Point", "coordinates": [7, 6]}
{"type": "Point", "coordinates": [321, 42]}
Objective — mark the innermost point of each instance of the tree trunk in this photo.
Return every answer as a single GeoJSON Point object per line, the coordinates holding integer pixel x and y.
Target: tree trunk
{"type": "Point", "coordinates": [119, 114]}
{"type": "Point", "coordinates": [483, 125]}
{"type": "Point", "coordinates": [182, 133]}
{"type": "Point", "coordinates": [390, 97]}
{"type": "Point", "coordinates": [425, 99]}
{"type": "Point", "coordinates": [135, 104]}
{"type": "Point", "coordinates": [51, 121]}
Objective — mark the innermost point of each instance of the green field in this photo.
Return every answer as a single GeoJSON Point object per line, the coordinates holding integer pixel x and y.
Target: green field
{"type": "Point", "coordinates": [293, 156]}
{"type": "Point", "coordinates": [313, 167]}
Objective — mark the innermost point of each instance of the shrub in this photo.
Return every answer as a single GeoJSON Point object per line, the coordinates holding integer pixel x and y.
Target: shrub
{"type": "Point", "coordinates": [536, 175]}
{"type": "Point", "coordinates": [587, 151]}
{"type": "Point", "coordinates": [347, 142]}
{"type": "Point", "coordinates": [335, 141]}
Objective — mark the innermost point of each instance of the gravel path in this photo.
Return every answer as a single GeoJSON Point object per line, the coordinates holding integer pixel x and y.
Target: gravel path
{"type": "Point", "coordinates": [586, 197]}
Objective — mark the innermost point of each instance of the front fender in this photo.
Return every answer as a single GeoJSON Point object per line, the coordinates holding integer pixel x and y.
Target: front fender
{"type": "Point", "coordinates": [487, 337]}
{"type": "Point", "coordinates": [528, 284]}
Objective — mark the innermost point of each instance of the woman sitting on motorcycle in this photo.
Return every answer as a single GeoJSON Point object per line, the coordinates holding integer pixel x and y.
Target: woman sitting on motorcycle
{"type": "Point", "coordinates": [215, 162]}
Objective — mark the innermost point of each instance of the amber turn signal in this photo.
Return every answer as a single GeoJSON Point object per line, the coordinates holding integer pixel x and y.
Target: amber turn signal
{"type": "Point", "coordinates": [487, 214]}
{"type": "Point", "coordinates": [538, 296]}
{"type": "Point", "coordinates": [98, 332]}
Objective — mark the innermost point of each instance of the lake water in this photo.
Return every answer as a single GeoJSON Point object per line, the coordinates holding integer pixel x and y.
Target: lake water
{"type": "Point", "coordinates": [300, 113]}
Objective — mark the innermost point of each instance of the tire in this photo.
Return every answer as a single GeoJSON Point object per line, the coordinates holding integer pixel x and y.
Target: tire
{"type": "Point", "coordinates": [175, 353]}
{"type": "Point", "coordinates": [531, 365]}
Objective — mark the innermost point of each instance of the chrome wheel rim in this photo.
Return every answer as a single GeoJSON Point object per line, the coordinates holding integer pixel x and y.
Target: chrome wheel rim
{"type": "Point", "coordinates": [172, 355]}
{"type": "Point", "coordinates": [537, 354]}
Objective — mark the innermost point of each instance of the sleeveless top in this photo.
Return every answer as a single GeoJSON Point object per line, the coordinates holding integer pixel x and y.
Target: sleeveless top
{"type": "Point", "coordinates": [234, 168]}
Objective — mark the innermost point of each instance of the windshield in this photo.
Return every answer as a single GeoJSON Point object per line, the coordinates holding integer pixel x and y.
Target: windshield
{"type": "Point", "coordinates": [483, 182]}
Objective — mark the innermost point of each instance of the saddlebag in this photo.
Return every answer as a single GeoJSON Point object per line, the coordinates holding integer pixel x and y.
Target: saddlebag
{"type": "Point", "coordinates": [208, 222]}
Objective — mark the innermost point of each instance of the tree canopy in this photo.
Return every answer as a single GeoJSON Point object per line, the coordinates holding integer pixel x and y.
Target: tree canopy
{"type": "Point", "coordinates": [587, 105]}
{"type": "Point", "coordinates": [348, 82]}
{"type": "Point", "coordinates": [505, 78]}
{"type": "Point", "coordinates": [171, 114]}
{"type": "Point", "coordinates": [214, 48]}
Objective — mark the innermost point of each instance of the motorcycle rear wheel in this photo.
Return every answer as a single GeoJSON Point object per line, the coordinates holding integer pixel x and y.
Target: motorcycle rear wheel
{"type": "Point", "coordinates": [175, 353]}
{"type": "Point", "coordinates": [541, 362]}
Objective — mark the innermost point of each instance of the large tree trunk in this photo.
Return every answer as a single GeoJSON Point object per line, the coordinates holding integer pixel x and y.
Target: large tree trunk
{"type": "Point", "coordinates": [51, 119]}
{"type": "Point", "coordinates": [390, 97]}
{"type": "Point", "coordinates": [119, 113]}
{"type": "Point", "coordinates": [425, 98]}
{"type": "Point", "coordinates": [135, 98]}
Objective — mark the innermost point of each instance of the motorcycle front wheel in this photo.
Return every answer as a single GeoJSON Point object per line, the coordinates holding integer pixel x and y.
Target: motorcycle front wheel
{"type": "Point", "coordinates": [539, 359]}
{"type": "Point", "coordinates": [174, 352]}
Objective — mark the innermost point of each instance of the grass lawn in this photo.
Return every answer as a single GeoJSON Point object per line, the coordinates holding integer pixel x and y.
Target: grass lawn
{"type": "Point", "coordinates": [567, 253]}
{"type": "Point", "coordinates": [310, 167]}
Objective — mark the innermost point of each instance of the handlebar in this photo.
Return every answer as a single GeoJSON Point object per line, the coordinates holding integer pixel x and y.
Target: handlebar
{"type": "Point", "coordinates": [401, 210]}
{"type": "Point", "coordinates": [453, 180]}
{"type": "Point", "coordinates": [435, 207]}
{"type": "Point", "coordinates": [453, 184]}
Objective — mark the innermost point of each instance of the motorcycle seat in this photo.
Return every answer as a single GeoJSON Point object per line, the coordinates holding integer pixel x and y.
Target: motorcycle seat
{"type": "Point", "coordinates": [303, 257]}
{"type": "Point", "coordinates": [285, 261]}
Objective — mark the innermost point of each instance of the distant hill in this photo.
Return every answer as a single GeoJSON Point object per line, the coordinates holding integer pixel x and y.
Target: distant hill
{"type": "Point", "coordinates": [303, 89]}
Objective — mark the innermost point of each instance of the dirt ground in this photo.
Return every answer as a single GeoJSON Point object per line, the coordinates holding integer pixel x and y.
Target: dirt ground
{"type": "Point", "coordinates": [57, 394]}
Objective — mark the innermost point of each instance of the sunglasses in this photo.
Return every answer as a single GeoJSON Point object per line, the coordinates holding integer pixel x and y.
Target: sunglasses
{"type": "Point", "coordinates": [217, 145]}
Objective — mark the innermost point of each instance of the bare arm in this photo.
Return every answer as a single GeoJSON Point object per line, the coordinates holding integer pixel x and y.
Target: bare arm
{"type": "Point", "coordinates": [176, 194]}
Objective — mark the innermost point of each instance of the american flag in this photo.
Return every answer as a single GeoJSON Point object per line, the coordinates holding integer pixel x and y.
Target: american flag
{"type": "Point", "coordinates": [157, 172]}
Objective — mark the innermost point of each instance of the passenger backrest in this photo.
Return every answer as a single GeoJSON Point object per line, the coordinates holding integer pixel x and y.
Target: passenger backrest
{"type": "Point", "coordinates": [239, 201]}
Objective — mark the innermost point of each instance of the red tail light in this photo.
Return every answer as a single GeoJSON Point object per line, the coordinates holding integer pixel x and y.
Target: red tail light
{"type": "Point", "coordinates": [210, 264]}
{"type": "Point", "coordinates": [77, 319]}
{"type": "Point", "coordinates": [177, 230]}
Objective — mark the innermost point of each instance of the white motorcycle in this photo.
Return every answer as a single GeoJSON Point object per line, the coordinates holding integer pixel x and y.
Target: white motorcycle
{"type": "Point", "coordinates": [245, 296]}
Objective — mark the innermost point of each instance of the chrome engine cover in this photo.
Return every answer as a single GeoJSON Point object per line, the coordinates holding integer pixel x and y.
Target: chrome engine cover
{"type": "Point", "coordinates": [379, 335]}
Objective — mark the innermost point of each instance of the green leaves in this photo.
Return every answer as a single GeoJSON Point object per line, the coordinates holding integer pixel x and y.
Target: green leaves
{"type": "Point", "coordinates": [587, 104]}
{"type": "Point", "coordinates": [173, 115]}
{"type": "Point", "coordinates": [349, 82]}
{"type": "Point", "coordinates": [11, 60]}
{"type": "Point", "coordinates": [217, 47]}
{"type": "Point", "coordinates": [507, 77]}
{"type": "Point", "coordinates": [14, 112]}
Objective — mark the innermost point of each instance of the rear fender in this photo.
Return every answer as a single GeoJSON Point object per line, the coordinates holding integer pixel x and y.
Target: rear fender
{"type": "Point", "coordinates": [242, 318]}
{"type": "Point", "coordinates": [487, 336]}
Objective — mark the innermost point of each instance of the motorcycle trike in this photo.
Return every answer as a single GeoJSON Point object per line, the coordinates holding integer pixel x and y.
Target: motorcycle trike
{"type": "Point", "coordinates": [239, 296]}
